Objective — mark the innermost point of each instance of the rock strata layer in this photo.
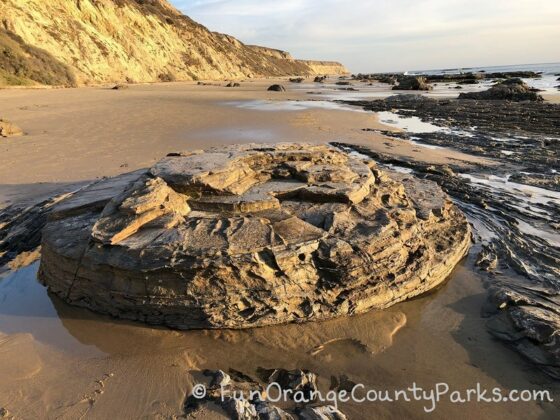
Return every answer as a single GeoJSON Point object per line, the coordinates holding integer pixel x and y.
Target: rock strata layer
{"type": "Point", "coordinates": [251, 235]}
{"type": "Point", "coordinates": [522, 266]}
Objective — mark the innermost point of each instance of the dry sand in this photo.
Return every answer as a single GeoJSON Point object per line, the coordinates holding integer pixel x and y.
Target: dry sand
{"type": "Point", "coordinates": [57, 361]}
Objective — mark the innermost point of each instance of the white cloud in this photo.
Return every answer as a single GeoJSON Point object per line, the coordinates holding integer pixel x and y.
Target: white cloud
{"type": "Point", "coordinates": [390, 35]}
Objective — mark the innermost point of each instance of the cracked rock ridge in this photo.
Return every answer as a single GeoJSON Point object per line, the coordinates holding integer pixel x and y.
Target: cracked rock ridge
{"type": "Point", "coordinates": [251, 235]}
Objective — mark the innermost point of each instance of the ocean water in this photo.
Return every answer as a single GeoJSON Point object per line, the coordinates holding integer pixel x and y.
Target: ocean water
{"type": "Point", "coordinates": [545, 68]}
{"type": "Point", "coordinates": [548, 70]}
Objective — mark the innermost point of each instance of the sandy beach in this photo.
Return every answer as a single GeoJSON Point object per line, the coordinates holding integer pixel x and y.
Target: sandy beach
{"type": "Point", "coordinates": [67, 363]}
{"type": "Point", "coordinates": [81, 134]}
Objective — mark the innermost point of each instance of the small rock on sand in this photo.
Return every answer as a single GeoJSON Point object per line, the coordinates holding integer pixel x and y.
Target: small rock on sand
{"type": "Point", "coordinates": [277, 88]}
{"type": "Point", "coordinates": [7, 129]}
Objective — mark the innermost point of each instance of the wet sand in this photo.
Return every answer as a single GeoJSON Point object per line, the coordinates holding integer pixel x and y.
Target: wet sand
{"type": "Point", "coordinates": [65, 362]}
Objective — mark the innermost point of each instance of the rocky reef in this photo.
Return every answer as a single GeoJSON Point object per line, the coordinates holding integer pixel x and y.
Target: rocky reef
{"type": "Point", "coordinates": [251, 235]}
{"type": "Point", "coordinates": [523, 136]}
{"type": "Point", "coordinates": [523, 267]}
{"type": "Point", "coordinates": [413, 83]}
{"type": "Point", "coordinates": [498, 117]}
{"type": "Point", "coordinates": [508, 90]}
{"type": "Point", "coordinates": [466, 78]}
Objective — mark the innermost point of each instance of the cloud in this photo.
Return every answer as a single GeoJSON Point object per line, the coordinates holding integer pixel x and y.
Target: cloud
{"type": "Point", "coordinates": [391, 35]}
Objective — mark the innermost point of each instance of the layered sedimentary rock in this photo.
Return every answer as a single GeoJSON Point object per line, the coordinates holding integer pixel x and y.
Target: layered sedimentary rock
{"type": "Point", "coordinates": [251, 235]}
{"type": "Point", "coordinates": [61, 42]}
{"type": "Point", "coordinates": [523, 134]}
{"type": "Point", "coordinates": [298, 385]}
{"type": "Point", "coordinates": [325, 67]}
{"type": "Point", "coordinates": [522, 265]}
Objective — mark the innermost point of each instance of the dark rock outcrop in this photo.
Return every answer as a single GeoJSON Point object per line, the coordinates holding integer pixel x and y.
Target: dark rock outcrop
{"type": "Point", "coordinates": [297, 79]}
{"type": "Point", "coordinates": [461, 78]}
{"type": "Point", "coordinates": [251, 235]}
{"type": "Point", "coordinates": [295, 380]}
{"type": "Point", "coordinates": [413, 83]}
{"type": "Point", "coordinates": [527, 326]}
{"type": "Point", "coordinates": [276, 88]}
{"type": "Point", "coordinates": [389, 79]}
{"type": "Point", "coordinates": [514, 75]}
{"type": "Point", "coordinates": [251, 400]}
{"type": "Point", "coordinates": [497, 117]}
{"type": "Point", "coordinates": [509, 90]}
{"type": "Point", "coordinates": [522, 266]}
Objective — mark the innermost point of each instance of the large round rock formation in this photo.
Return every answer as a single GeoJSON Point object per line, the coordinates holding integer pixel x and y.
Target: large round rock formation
{"type": "Point", "coordinates": [251, 235]}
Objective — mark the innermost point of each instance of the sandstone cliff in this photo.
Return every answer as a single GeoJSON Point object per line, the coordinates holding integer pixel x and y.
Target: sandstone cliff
{"type": "Point", "coordinates": [66, 42]}
{"type": "Point", "coordinates": [325, 67]}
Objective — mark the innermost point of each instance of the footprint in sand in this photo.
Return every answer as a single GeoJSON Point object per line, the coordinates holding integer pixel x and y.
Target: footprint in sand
{"type": "Point", "coordinates": [19, 358]}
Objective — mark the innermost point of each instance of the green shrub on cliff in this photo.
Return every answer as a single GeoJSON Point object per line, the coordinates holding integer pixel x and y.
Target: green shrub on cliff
{"type": "Point", "coordinates": [23, 64]}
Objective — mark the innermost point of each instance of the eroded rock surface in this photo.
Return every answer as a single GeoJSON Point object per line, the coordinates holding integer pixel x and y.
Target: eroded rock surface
{"type": "Point", "coordinates": [523, 136]}
{"type": "Point", "coordinates": [519, 249]}
{"type": "Point", "coordinates": [251, 235]}
{"type": "Point", "coordinates": [242, 397]}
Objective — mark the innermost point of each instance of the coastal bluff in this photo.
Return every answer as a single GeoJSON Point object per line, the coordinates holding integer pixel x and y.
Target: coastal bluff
{"type": "Point", "coordinates": [251, 235]}
{"type": "Point", "coordinates": [83, 42]}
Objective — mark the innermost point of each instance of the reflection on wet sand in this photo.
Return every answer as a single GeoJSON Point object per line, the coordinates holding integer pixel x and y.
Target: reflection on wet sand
{"type": "Point", "coordinates": [93, 359]}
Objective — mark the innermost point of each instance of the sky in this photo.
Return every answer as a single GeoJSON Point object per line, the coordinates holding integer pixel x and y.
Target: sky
{"type": "Point", "coordinates": [392, 35]}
